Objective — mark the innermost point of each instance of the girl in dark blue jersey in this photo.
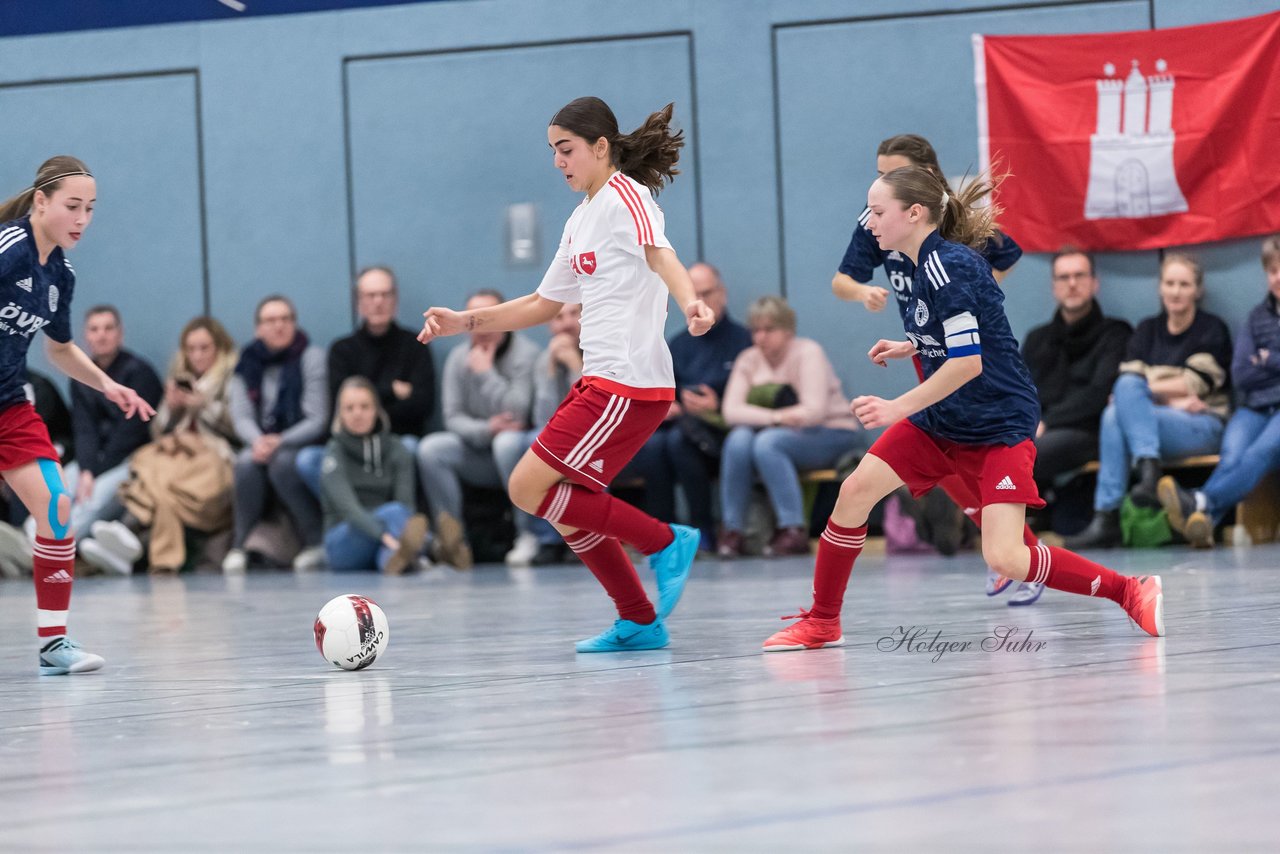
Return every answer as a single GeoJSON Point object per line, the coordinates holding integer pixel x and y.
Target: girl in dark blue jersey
{"type": "Point", "coordinates": [973, 415]}
{"type": "Point", "coordinates": [852, 282]}
{"type": "Point", "coordinates": [36, 226]}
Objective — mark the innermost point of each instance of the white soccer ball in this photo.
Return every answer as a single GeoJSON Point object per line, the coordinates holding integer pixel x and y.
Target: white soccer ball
{"type": "Point", "coordinates": [351, 631]}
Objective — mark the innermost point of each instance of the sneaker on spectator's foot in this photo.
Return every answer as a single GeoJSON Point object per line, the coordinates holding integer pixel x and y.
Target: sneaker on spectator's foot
{"type": "Point", "coordinates": [671, 567]}
{"type": "Point", "coordinates": [1199, 530]}
{"type": "Point", "coordinates": [309, 559]}
{"type": "Point", "coordinates": [412, 536]}
{"type": "Point", "coordinates": [117, 537]}
{"type": "Point", "coordinates": [29, 528]}
{"type": "Point", "coordinates": [62, 655]}
{"type": "Point", "coordinates": [788, 541]}
{"type": "Point", "coordinates": [451, 544]}
{"type": "Point", "coordinates": [523, 550]}
{"type": "Point", "coordinates": [1026, 594]}
{"type": "Point", "coordinates": [810, 633]}
{"type": "Point", "coordinates": [625, 635]}
{"type": "Point", "coordinates": [997, 583]}
{"type": "Point", "coordinates": [235, 563]}
{"type": "Point", "coordinates": [1145, 604]}
{"type": "Point", "coordinates": [729, 544]}
{"type": "Point", "coordinates": [105, 559]}
{"type": "Point", "coordinates": [15, 552]}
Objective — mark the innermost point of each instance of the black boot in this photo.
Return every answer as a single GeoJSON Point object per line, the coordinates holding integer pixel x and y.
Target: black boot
{"type": "Point", "coordinates": [1145, 492]}
{"type": "Point", "coordinates": [1103, 532]}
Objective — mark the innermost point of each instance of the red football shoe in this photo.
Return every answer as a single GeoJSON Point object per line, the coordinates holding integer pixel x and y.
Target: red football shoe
{"type": "Point", "coordinates": [1145, 604]}
{"type": "Point", "coordinates": [809, 633]}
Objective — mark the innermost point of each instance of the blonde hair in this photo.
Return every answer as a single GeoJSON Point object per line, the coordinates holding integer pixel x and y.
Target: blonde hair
{"type": "Point", "coordinates": [361, 384]}
{"type": "Point", "coordinates": [49, 178]}
{"type": "Point", "coordinates": [774, 311]}
{"type": "Point", "coordinates": [1187, 260]}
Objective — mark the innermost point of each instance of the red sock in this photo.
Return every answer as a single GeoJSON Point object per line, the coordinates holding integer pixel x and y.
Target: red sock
{"type": "Point", "coordinates": [578, 507]}
{"type": "Point", "coordinates": [54, 564]}
{"type": "Point", "coordinates": [612, 568]}
{"type": "Point", "coordinates": [838, 548]}
{"type": "Point", "coordinates": [1064, 570]}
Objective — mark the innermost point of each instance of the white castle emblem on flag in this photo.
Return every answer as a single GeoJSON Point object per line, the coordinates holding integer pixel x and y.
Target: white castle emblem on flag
{"type": "Point", "coordinates": [1131, 165]}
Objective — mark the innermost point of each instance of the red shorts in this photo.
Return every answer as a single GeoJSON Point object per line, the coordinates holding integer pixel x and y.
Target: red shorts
{"type": "Point", "coordinates": [23, 437]}
{"type": "Point", "coordinates": [994, 474]}
{"type": "Point", "coordinates": [594, 433]}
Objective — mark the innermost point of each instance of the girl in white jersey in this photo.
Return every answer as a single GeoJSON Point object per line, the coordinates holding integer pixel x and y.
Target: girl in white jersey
{"type": "Point", "coordinates": [616, 261]}
{"type": "Point", "coordinates": [37, 280]}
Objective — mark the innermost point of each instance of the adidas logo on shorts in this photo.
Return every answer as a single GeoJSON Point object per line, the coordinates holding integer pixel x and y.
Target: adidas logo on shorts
{"type": "Point", "coordinates": [597, 466]}
{"type": "Point", "coordinates": [1006, 484]}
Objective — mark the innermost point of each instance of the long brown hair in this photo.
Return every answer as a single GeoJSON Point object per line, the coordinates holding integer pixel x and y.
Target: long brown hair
{"type": "Point", "coordinates": [959, 216]}
{"type": "Point", "coordinates": [648, 154]}
{"type": "Point", "coordinates": [49, 177]}
{"type": "Point", "coordinates": [912, 146]}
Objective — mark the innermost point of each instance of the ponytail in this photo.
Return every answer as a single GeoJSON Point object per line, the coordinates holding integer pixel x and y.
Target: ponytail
{"type": "Point", "coordinates": [648, 154]}
{"type": "Point", "coordinates": [960, 217]}
{"type": "Point", "coordinates": [48, 178]}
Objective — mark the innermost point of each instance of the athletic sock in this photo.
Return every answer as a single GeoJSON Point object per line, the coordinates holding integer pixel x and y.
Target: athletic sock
{"type": "Point", "coordinates": [53, 565]}
{"type": "Point", "coordinates": [578, 507]}
{"type": "Point", "coordinates": [838, 548]}
{"type": "Point", "coordinates": [1063, 570]}
{"type": "Point", "coordinates": [612, 568]}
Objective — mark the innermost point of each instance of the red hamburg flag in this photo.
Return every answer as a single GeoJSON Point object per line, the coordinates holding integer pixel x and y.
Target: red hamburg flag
{"type": "Point", "coordinates": [1136, 140]}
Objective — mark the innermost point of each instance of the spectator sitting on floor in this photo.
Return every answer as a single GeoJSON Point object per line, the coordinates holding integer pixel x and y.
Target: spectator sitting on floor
{"type": "Point", "coordinates": [487, 390]}
{"type": "Point", "coordinates": [182, 479]}
{"type": "Point", "coordinates": [279, 402]}
{"type": "Point", "coordinates": [1074, 360]}
{"type": "Point", "coordinates": [1170, 400]}
{"type": "Point", "coordinates": [811, 431]}
{"type": "Point", "coordinates": [1251, 441]}
{"type": "Point", "coordinates": [389, 356]}
{"type": "Point", "coordinates": [686, 448]}
{"type": "Point", "coordinates": [367, 488]}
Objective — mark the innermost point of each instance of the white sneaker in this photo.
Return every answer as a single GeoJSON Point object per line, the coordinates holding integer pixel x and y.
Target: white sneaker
{"type": "Point", "coordinates": [309, 559]}
{"type": "Point", "coordinates": [523, 550]}
{"type": "Point", "coordinates": [117, 537]}
{"type": "Point", "coordinates": [235, 562]}
{"type": "Point", "coordinates": [29, 528]}
{"type": "Point", "coordinates": [96, 554]}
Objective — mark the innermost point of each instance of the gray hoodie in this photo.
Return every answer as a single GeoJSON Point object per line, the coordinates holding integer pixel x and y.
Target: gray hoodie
{"type": "Point", "coordinates": [360, 474]}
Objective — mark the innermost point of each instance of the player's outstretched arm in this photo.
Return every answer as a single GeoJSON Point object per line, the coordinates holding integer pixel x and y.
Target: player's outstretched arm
{"type": "Point", "coordinates": [73, 362]}
{"type": "Point", "coordinates": [669, 268]}
{"type": "Point", "coordinates": [847, 288]}
{"type": "Point", "coordinates": [520, 313]}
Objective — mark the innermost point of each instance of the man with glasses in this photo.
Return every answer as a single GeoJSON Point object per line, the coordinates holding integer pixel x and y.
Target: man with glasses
{"type": "Point", "coordinates": [1074, 360]}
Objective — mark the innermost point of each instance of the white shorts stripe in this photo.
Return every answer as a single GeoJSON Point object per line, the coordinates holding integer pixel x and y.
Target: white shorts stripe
{"type": "Point", "coordinates": [614, 402]}
{"type": "Point", "coordinates": [602, 429]}
{"type": "Point", "coordinates": [584, 472]}
{"type": "Point", "coordinates": [50, 619]}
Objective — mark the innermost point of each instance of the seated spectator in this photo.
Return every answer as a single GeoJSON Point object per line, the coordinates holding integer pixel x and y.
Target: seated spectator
{"type": "Point", "coordinates": [808, 426]}
{"type": "Point", "coordinates": [367, 488]}
{"type": "Point", "coordinates": [686, 449]}
{"type": "Point", "coordinates": [278, 405]}
{"type": "Point", "coordinates": [487, 390]}
{"type": "Point", "coordinates": [104, 437]}
{"type": "Point", "coordinates": [558, 367]}
{"type": "Point", "coordinates": [1251, 441]}
{"type": "Point", "coordinates": [386, 354]}
{"type": "Point", "coordinates": [1074, 360]}
{"type": "Point", "coordinates": [1170, 400]}
{"type": "Point", "coordinates": [183, 478]}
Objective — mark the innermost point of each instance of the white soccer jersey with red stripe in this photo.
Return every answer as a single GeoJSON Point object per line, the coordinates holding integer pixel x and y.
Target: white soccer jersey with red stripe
{"type": "Point", "coordinates": [601, 264]}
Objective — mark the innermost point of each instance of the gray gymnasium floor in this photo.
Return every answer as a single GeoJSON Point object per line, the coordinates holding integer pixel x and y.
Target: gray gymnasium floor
{"type": "Point", "coordinates": [216, 726]}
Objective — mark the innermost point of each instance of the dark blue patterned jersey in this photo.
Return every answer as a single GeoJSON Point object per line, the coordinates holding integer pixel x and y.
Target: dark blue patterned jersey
{"type": "Point", "coordinates": [957, 309]}
{"type": "Point", "coordinates": [33, 297]}
{"type": "Point", "coordinates": [864, 255]}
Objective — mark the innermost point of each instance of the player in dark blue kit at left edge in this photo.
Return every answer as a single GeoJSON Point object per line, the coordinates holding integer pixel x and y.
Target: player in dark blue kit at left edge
{"type": "Point", "coordinates": [36, 285]}
{"type": "Point", "coordinates": [973, 415]}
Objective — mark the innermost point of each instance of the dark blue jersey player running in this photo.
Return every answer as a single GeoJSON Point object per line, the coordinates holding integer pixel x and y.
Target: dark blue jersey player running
{"type": "Point", "coordinates": [36, 285]}
{"type": "Point", "coordinates": [972, 416]}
